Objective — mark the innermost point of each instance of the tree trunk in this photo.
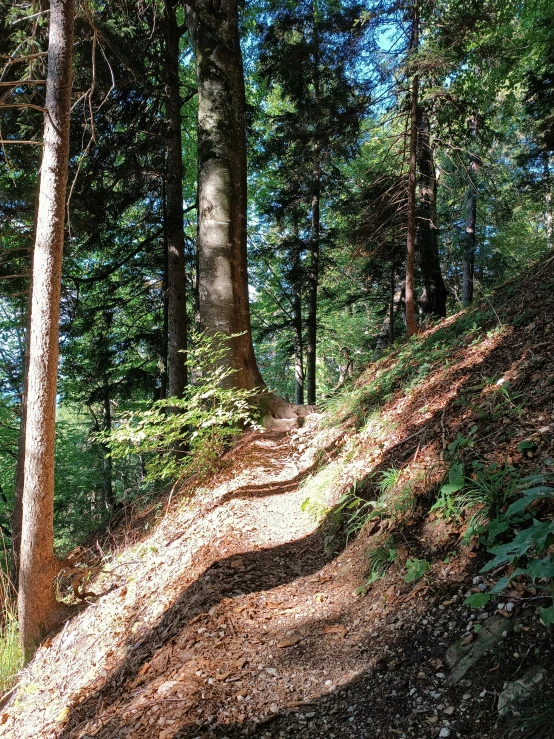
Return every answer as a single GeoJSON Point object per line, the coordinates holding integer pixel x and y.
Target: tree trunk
{"type": "Point", "coordinates": [20, 466]}
{"type": "Point", "coordinates": [469, 246]}
{"type": "Point", "coordinates": [548, 200]}
{"type": "Point", "coordinates": [165, 304]}
{"type": "Point", "coordinates": [38, 609]}
{"type": "Point", "coordinates": [109, 497]}
{"type": "Point", "coordinates": [393, 305]}
{"type": "Point", "coordinates": [470, 239]}
{"type": "Point", "coordinates": [20, 469]}
{"type": "Point", "coordinates": [298, 348]}
{"type": "Point", "coordinates": [411, 324]}
{"type": "Point", "coordinates": [386, 335]}
{"type": "Point", "coordinates": [313, 280]}
{"type": "Point", "coordinates": [174, 227]}
{"type": "Point", "coordinates": [221, 240]}
{"type": "Point", "coordinates": [434, 295]}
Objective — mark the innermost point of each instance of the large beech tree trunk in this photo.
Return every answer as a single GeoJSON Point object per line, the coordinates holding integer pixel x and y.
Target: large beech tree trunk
{"type": "Point", "coordinates": [409, 298]}
{"type": "Point", "coordinates": [38, 609]}
{"type": "Point", "coordinates": [221, 241]}
{"type": "Point", "coordinates": [174, 227]}
{"type": "Point", "coordinates": [434, 298]}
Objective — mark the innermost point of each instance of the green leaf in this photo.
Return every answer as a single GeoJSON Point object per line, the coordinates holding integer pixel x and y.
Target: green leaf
{"type": "Point", "coordinates": [505, 581]}
{"type": "Point", "coordinates": [530, 495]}
{"type": "Point", "coordinates": [539, 569]}
{"type": "Point", "coordinates": [547, 615]}
{"type": "Point", "coordinates": [537, 536]}
{"type": "Point", "coordinates": [416, 568]}
{"type": "Point", "coordinates": [525, 445]}
{"type": "Point", "coordinates": [477, 600]}
{"type": "Point", "coordinates": [452, 487]}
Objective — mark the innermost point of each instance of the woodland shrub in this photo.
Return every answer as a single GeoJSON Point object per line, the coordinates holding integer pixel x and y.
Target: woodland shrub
{"type": "Point", "coordinates": [180, 437]}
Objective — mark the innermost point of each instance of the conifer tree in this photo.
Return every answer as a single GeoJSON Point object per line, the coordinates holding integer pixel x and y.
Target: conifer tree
{"type": "Point", "coordinates": [38, 610]}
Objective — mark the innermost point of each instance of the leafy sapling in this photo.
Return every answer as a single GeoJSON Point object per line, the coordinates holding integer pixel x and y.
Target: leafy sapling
{"type": "Point", "coordinates": [179, 437]}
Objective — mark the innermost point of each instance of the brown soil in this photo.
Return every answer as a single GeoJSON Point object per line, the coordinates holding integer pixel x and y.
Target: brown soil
{"type": "Point", "coordinates": [236, 614]}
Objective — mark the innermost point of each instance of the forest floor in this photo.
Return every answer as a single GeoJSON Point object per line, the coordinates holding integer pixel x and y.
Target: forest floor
{"type": "Point", "coordinates": [240, 608]}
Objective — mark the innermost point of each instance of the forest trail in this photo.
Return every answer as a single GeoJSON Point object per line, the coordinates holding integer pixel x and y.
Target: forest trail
{"type": "Point", "coordinates": [216, 607]}
{"type": "Point", "coordinates": [238, 611]}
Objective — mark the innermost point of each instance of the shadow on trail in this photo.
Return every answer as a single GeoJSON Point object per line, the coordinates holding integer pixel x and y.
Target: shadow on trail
{"type": "Point", "coordinates": [238, 574]}
{"type": "Point", "coordinates": [517, 353]}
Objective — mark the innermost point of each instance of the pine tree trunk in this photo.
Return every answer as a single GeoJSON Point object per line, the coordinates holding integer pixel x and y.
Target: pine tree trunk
{"type": "Point", "coordinates": [386, 335]}
{"type": "Point", "coordinates": [434, 296]}
{"type": "Point", "coordinates": [298, 349]}
{"type": "Point", "coordinates": [38, 610]}
{"type": "Point", "coordinates": [221, 240]}
{"type": "Point", "coordinates": [548, 200]}
{"type": "Point", "coordinates": [174, 227]}
{"type": "Point", "coordinates": [469, 246]}
{"type": "Point", "coordinates": [393, 305]}
{"type": "Point", "coordinates": [165, 309]}
{"type": "Point", "coordinates": [313, 280]}
{"type": "Point", "coordinates": [411, 324]}
{"type": "Point", "coordinates": [470, 239]}
{"type": "Point", "coordinates": [20, 470]}
{"type": "Point", "coordinates": [109, 497]}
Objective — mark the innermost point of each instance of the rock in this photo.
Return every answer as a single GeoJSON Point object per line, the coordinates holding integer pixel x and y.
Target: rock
{"type": "Point", "coordinates": [456, 652]}
{"type": "Point", "coordinates": [444, 732]}
{"type": "Point", "coordinates": [520, 690]}
{"type": "Point", "coordinates": [462, 727]}
{"type": "Point", "coordinates": [487, 638]}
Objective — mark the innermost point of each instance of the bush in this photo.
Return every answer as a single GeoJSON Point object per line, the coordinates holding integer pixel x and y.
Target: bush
{"type": "Point", "coordinates": [179, 437]}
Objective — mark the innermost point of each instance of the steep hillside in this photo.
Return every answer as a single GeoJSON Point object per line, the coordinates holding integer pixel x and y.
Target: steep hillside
{"type": "Point", "coordinates": [315, 586]}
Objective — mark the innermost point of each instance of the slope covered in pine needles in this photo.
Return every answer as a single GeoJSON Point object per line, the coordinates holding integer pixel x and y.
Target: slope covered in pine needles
{"type": "Point", "coordinates": [255, 606]}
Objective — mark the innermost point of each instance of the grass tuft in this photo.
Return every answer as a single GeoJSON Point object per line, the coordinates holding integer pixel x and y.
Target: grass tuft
{"type": "Point", "coordinates": [11, 659]}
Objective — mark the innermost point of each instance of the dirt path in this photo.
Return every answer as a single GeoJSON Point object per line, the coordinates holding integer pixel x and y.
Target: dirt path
{"type": "Point", "coordinates": [188, 618]}
{"type": "Point", "coordinates": [227, 620]}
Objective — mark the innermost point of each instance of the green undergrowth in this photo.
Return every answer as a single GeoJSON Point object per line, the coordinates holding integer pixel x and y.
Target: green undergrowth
{"type": "Point", "coordinates": [505, 509]}
{"type": "Point", "coordinates": [10, 648]}
{"type": "Point", "coordinates": [185, 436]}
{"type": "Point", "coordinates": [534, 718]}
{"type": "Point", "coordinates": [407, 367]}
